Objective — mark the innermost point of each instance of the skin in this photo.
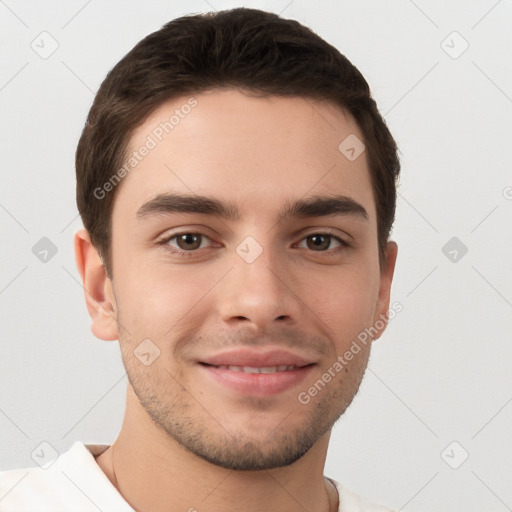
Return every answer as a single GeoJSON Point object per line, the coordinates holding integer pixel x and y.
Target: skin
{"type": "Point", "coordinates": [186, 441]}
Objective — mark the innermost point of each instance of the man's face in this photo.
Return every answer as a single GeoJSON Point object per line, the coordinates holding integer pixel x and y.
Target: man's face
{"type": "Point", "coordinates": [232, 297]}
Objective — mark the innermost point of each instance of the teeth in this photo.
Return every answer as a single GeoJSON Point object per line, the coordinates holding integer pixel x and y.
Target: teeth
{"type": "Point", "coordinates": [263, 369]}
{"type": "Point", "coordinates": [250, 369]}
{"type": "Point", "coordinates": [268, 369]}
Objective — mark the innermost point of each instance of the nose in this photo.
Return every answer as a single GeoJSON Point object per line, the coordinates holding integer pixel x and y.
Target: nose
{"type": "Point", "coordinates": [262, 293]}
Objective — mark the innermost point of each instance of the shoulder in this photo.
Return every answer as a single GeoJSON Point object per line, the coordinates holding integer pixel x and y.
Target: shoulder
{"type": "Point", "coordinates": [72, 481]}
{"type": "Point", "coordinates": [352, 502]}
{"type": "Point", "coordinates": [23, 489]}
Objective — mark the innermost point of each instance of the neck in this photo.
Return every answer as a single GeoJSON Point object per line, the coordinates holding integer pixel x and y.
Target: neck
{"type": "Point", "coordinates": [153, 472]}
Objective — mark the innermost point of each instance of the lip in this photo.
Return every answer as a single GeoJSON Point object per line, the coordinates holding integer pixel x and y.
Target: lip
{"type": "Point", "coordinates": [256, 384]}
{"type": "Point", "coordinates": [249, 357]}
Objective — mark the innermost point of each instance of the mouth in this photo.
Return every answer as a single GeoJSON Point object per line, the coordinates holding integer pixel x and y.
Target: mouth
{"type": "Point", "coordinates": [256, 374]}
{"type": "Point", "coordinates": [256, 369]}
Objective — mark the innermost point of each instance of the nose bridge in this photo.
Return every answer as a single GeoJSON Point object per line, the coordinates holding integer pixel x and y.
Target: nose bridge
{"type": "Point", "coordinates": [259, 288]}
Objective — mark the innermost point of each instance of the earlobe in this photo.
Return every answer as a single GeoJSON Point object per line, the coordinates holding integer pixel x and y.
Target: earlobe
{"type": "Point", "coordinates": [386, 278]}
{"type": "Point", "coordinates": [98, 291]}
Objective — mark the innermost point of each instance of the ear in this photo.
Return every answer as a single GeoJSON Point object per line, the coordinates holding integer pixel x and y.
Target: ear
{"type": "Point", "coordinates": [380, 320]}
{"type": "Point", "coordinates": [98, 290]}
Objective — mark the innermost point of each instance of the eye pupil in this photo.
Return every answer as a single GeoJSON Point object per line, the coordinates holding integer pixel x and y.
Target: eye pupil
{"type": "Point", "coordinates": [187, 239]}
{"type": "Point", "coordinates": [319, 241]}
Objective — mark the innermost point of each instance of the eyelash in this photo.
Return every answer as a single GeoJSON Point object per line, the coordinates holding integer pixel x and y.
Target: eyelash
{"type": "Point", "coordinates": [180, 252]}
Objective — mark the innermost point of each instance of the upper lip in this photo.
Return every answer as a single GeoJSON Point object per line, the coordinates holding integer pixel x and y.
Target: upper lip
{"type": "Point", "coordinates": [256, 359]}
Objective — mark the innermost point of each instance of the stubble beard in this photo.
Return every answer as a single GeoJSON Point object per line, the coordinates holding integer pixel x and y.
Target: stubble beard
{"type": "Point", "coordinates": [188, 421]}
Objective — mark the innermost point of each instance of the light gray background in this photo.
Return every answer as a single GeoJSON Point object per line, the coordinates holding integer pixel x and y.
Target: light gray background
{"type": "Point", "coordinates": [441, 373]}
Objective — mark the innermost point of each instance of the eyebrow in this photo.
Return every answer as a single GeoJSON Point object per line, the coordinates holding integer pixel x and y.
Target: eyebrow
{"type": "Point", "coordinates": [315, 206]}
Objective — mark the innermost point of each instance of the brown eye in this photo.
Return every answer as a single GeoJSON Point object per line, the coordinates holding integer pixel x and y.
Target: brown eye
{"type": "Point", "coordinates": [319, 242]}
{"type": "Point", "coordinates": [188, 241]}
{"type": "Point", "coordinates": [322, 242]}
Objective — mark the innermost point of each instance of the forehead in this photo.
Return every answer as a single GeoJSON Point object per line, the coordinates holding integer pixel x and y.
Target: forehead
{"type": "Point", "coordinates": [256, 151]}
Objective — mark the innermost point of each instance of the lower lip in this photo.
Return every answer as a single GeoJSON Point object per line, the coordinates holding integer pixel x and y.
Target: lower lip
{"type": "Point", "coordinates": [258, 384]}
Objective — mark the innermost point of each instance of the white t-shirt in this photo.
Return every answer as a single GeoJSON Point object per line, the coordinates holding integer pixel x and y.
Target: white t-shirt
{"type": "Point", "coordinates": [74, 482]}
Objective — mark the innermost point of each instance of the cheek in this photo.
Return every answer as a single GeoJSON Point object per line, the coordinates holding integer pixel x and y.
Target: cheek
{"type": "Point", "coordinates": [347, 304]}
{"type": "Point", "coordinates": [156, 301]}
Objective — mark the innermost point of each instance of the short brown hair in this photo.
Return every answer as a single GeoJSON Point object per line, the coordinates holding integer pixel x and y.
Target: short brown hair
{"type": "Point", "coordinates": [241, 48]}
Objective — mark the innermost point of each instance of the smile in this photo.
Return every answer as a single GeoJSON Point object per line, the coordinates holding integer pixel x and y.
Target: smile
{"type": "Point", "coordinates": [252, 369]}
{"type": "Point", "coordinates": [256, 381]}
